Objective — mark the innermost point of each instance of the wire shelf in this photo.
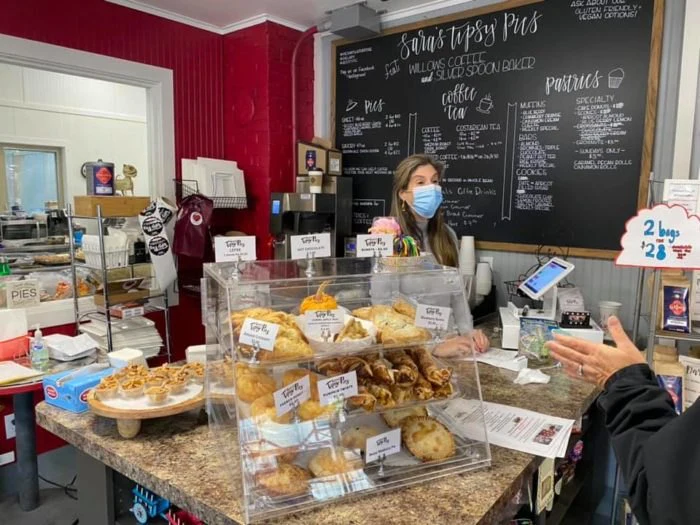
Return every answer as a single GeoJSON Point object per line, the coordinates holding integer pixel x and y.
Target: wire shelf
{"type": "Point", "coordinates": [189, 187]}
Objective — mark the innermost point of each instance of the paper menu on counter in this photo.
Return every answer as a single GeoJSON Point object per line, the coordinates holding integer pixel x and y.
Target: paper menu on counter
{"type": "Point", "coordinates": [507, 359]}
{"type": "Point", "coordinates": [11, 372]}
{"type": "Point", "coordinates": [514, 428]}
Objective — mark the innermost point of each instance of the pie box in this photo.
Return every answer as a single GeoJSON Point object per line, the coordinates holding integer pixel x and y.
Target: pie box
{"type": "Point", "coordinates": [72, 395]}
{"type": "Point", "coordinates": [122, 291]}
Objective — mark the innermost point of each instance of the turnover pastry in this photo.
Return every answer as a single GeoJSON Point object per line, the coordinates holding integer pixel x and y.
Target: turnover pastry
{"type": "Point", "coordinates": [426, 438]}
{"type": "Point", "coordinates": [393, 418]}
{"type": "Point", "coordinates": [252, 383]}
{"type": "Point", "coordinates": [311, 409]}
{"type": "Point", "coordinates": [263, 410]}
{"type": "Point", "coordinates": [405, 370]}
{"type": "Point", "coordinates": [332, 461]}
{"type": "Point", "coordinates": [352, 331]}
{"type": "Point", "coordinates": [356, 437]}
{"type": "Point", "coordinates": [291, 376]}
{"type": "Point", "coordinates": [437, 376]}
{"type": "Point", "coordinates": [290, 343]}
{"type": "Point", "coordinates": [285, 480]}
{"type": "Point", "coordinates": [392, 326]}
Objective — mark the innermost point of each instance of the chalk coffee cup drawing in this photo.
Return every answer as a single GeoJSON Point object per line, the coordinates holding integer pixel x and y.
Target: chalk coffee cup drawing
{"type": "Point", "coordinates": [608, 309]}
{"type": "Point", "coordinates": [316, 181]}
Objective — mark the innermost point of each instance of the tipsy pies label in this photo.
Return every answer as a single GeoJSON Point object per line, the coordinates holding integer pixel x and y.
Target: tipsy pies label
{"type": "Point", "coordinates": [158, 246]}
{"type": "Point", "coordinates": [383, 445]}
{"type": "Point", "coordinates": [314, 245]}
{"type": "Point", "coordinates": [371, 245]}
{"type": "Point", "coordinates": [291, 396]}
{"type": "Point", "coordinates": [152, 226]}
{"type": "Point", "coordinates": [319, 320]}
{"type": "Point", "coordinates": [433, 317]}
{"type": "Point", "coordinates": [259, 333]}
{"type": "Point", "coordinates": [337, 388]}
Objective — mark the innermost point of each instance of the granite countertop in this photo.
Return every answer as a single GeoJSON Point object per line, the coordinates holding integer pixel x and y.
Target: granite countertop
{"type": "Point", "coordinates": [179, 459]}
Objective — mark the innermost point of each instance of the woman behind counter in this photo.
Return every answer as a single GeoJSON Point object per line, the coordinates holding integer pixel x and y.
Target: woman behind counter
{"type": "Point", "coordinates": [416, 201]}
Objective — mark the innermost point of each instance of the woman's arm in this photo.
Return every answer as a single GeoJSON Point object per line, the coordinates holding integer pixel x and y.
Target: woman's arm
{"type": "Point", "coordinates": [658, 452]}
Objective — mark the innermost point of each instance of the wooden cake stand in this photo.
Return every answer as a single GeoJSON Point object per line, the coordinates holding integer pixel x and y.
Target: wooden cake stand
{"type": "Point", "coordinates": [129, 421]}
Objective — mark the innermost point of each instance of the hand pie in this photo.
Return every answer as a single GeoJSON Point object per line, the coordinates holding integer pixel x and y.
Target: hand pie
{"type": "Point", "coordinates": [290, 342]}
{"type": "Point", "coordinates": [311, 409]}
{"type": "Point", "coordinates": [285, 480]}
{"type": "Point", "coordinates": [393, 418]}
{"type": "Point", "coordinates": [252, 383]}
{"type": "Point", "coordinates": [392, 326]}
{"type": "Point", "coordinates": [426, 438]}
{"type": "Point", "coordinates": [332, 461]}
{"type": "Point", "coordinates": [263, 410]}
{"type": "Point", "coordinates": [352, 331]}
{"type": "Point", "coordinates": [356, 437]}
{"type": "Point", "coordinates": [291, 376]}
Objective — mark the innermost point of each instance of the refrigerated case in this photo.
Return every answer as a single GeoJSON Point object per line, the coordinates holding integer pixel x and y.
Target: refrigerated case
{"type": "Point", "coordinates": [341, 396]}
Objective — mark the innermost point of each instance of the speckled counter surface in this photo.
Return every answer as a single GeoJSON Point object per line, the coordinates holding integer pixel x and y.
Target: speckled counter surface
{"type": "Point", "coordinates": [177, 458]}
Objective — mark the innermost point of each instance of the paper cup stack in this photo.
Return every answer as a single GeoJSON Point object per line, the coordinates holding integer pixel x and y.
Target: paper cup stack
{"type": "Point", "coordinates": [467, 256]}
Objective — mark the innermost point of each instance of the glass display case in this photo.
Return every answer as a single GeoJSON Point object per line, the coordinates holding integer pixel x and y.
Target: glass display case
{"type": "Point", "coordinates": [322, 383]}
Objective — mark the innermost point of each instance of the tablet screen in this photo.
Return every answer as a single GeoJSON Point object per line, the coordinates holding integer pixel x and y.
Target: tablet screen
{"type": "Point", "coordinates": [550, 273]}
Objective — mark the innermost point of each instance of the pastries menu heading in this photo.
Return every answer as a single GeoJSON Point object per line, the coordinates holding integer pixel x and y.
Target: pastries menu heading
{"type": "Point", "coordinates": [538, 113]}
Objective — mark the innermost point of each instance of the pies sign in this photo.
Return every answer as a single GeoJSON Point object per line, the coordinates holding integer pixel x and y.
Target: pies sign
{"type": "Point", "coordinates": [433, 317]}
{"type": "Point", "coordinates": [291, 396]}
{"type": "Point", "coordinates": [259, 333]}
{"type": "Point", "coordinates": [310, 246]}
{"type": "Point", "coordinates": [382, 445]}
{"type": "Point", "coordinates": [661, 237]}
{"type": "Point", "coordinates": [375, 245]}
{"type": "Point", "coordinates": [337, 388]}
{"type": "Point", "coordinates": [319, 320]}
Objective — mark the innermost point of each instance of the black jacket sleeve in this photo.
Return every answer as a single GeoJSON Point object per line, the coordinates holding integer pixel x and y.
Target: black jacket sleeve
{"type": "Point", "coordinates": [658, 451]}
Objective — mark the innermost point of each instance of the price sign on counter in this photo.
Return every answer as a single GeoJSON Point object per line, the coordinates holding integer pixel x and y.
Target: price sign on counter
{"type": "Point", "coordinates": [433, 317]}
{"type": "Point", "coordinates": [338, 387]}
{"type": "Point", "coordinates": [259, 333]}
{"type": "Point", "coordinates": [383, 445]}
{"type": "Point", "coordinates": [319, 320]}
{"type": "Point", "coordinates": [291, 396]}
{"type": "Point", "coordinates": [231, 249]}
{"type": "Point", "coordinates": [661, 237]}
{"type": "Point", "coordinates": [313, 245]}
{"type": "Point", "coordinates": [375, 245]}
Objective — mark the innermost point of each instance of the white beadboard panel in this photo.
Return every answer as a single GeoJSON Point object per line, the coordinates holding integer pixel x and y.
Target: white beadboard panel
{"type": "Point", "coordinates": [7, 121]}
{"type": "Point", "coordinates": [599, 280]}
{"type": "Point", "coordinates": [31, 123]}
{"type": "Point", "coordinates": [10, 83]}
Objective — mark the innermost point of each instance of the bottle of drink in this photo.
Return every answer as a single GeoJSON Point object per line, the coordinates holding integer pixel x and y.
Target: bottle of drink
{"type": "Point", "coordinates": [4, 266]}
{"type": "Point", "coordinates": [39, 353]}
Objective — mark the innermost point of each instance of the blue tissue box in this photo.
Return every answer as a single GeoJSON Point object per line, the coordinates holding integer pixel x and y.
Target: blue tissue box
{"type": "Point", "coordinates": [72, 395]}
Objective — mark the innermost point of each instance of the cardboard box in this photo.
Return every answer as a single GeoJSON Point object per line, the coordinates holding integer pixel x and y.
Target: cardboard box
{"type": "Point", "coordinates": [335, 162]}
{"type": "Point", "coordinates": [72, 395]}
{"type": "Point", "coordinates": [86, 205]}
{"type": "Point", "coordinates": [127, 310]}
{"type": "Point", "coordinates": [123, 297]}
{"type": "Point", "coordinates": [318, 158]}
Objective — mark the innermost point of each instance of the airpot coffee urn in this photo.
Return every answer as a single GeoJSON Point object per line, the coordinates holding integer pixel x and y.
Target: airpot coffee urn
{"type": "Point", "coordinates": [302, 213]}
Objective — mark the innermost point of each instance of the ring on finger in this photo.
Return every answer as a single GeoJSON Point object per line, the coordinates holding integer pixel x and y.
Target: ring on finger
{"type": "Point", "coordinates": [580, 369]}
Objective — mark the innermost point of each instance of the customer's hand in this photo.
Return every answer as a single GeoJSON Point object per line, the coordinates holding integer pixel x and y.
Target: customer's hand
{"type": "Point", "coordinates": [463, 345]}
{"type": "Point", "coordinates": [593, 362]}
{"type": "Point", "coordinates": [481, 342]}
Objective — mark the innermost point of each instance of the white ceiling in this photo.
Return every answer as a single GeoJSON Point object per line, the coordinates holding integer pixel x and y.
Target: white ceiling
{"type": "Point", "coordinates": [225, 16]}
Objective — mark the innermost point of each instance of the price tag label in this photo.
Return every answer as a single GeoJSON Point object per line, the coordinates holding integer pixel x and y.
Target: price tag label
{"type": "Point", "coordinates": [259, 332]}
{"type": "Point", "coordinates": [22, 294]}
{"type": "Point", "coordinates": [383, 445]}
{"type": "Point", "coordinates": [433, 317]}
{"type": "Point", "coordinates": [338, 387]}
{"type": "Point", "coordinates": [661, 237]}
{"type": "Point", "coordinates": [371, 245]}
{"type": "Point", "coordinates": [230, 249]}
{"type": "Point", "coordinates": [292, 396]}
{"type": "Point", "coordinates": [313, 245]}
{"type": "Point", "coordinates": [319, 320]}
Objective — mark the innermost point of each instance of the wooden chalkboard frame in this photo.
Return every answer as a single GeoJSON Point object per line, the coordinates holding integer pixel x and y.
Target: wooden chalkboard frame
{"type": "Point", "coordinates": [649, 118]}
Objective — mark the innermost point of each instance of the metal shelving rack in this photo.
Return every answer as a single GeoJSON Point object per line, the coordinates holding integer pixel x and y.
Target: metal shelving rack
{"type": "Point", "coordinates": [104, 311]}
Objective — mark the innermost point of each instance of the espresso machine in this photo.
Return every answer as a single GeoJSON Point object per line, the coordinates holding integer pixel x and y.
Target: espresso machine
{"type": "Point", "coordinates": [303, 213]}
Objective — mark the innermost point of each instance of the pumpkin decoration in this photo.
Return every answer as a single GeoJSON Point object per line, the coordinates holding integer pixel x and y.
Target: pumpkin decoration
{"type": "Point", "coordinates": [319, 301]}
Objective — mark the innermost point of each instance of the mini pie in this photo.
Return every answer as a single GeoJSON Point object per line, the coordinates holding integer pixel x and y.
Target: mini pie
{"type": "Point", "coordinates": [356, 437]}
{"type": "Point", "coordinates": [332, 461]}
{"type": "Point", "coordinates": [426, 438]}
{"type": "Point", "coordinates": [175, 386]}
{"type": "Point", "coordinates": [263, 410]}
{"type": "Point", "coordinates": [106, 390]}
{"type": "Point", "coordinates": [157, 394]}
{"type": "Point", "coordinates": [132, 387]}
{"type": "Point", "coordinates": [285, 480]}
{"type": "Point", "coordinates": [393, 418]}
{"type": "Point", "coordinates": [154, 380]}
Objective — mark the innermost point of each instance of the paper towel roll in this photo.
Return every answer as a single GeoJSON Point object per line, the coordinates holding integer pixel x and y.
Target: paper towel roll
{"type": "Point", "coordinates": [467, 256]}
{"type": "Point", "coordinates": [483, 279]}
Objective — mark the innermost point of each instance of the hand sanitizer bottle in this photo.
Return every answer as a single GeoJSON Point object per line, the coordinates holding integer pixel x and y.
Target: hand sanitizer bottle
{"type": "Point", "coordinates": [39, 353]}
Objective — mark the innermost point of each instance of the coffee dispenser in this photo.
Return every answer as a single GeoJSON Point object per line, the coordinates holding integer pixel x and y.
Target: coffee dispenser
{"type": "Point", "coordinates": [303, 213]}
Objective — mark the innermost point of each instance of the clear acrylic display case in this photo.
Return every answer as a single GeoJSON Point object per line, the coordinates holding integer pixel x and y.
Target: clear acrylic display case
{"type": "Point", "coordinates": [298, 440]}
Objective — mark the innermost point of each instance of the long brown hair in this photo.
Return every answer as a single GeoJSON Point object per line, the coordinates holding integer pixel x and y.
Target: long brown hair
{"type": "Point", "coordinates": [439, 238]}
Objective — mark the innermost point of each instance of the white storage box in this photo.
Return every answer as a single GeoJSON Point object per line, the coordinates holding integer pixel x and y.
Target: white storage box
{"type": "Point", "coordinates": [116, 251]}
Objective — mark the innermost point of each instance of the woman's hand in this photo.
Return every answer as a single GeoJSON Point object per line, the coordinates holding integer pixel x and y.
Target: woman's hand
{"type": "Point", "coordinates": [463, 345]}
{"type": "Point", "coordinates": [592, 362]}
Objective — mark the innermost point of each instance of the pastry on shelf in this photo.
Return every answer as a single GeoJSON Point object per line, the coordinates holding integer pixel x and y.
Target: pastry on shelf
{"type": "Point", "coordinates": [426, 438]}
{"type": "Point", "coordinates": [295, 374]}
{"type": "Point", "coordinates": [405, 369]}
{"type": "Point", "coordinates": [393, 418]}
{"type": "Point", "coordinates": [286, 480]}
{"type": "Point", "coordinates": [263, 410]}
{"type": "Point", "coordinates": [252, 383]}
{"type": "Point", "coordinates": [107, 390]}
{"type": "Point", "coordinates": [422, 389]}
{"type": "Point", "coordinates": [132, 388]}
{"type": "Point", "coordinates": [290, 342]}
{"type": "Point", "coordinates": [154, 380]}
{"type": "Point", "coordinates": [318, 301]}
{"type": "Point", "coordinates": [176, 385]}
{"type": "Point", "coordinates": [333, 461]}
{"type": "Point", "coordinates": [444, 391]}
{"type": "Point", "coordinates": [392, 326]}
{"type": "Point", "coordinates": [363, 399]}
{"type": "Point", "coordinates": [352, 331]}
{"type": "Point", "coordinates": [310, 410]}
{"type": "Point", "coordinates": [157, 395]}
{"type": "Point", "coordinates": [437, 376]}
{"type": "Point", "coordinates": [404, 308]}
{"type": "Point", "coordinates": [382, 369]}
{"type": "Point", "coordinates": [356, 437]}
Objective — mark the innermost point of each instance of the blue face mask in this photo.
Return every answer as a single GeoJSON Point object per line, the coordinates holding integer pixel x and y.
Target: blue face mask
{"type": "Point", "coordinates": [427, 200]}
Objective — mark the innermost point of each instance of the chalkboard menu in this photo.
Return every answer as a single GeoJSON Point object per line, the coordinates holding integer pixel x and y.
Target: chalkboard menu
{"type": "Point", "coordinates": [537, 109]}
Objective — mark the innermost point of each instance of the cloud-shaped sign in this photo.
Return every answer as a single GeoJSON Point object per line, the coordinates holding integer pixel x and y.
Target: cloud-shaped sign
{"type": "Point", "coordinates": [661, 237]}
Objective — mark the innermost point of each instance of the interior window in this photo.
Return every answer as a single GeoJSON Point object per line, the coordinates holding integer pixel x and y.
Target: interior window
{"type": "Point", "coordinates": [29, 177]}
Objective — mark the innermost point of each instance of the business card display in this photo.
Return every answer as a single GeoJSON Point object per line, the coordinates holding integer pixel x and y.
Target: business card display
{"type": "Point", "coordinates": [337, 388]}
{"type": "Point", "coordinates": [291, 396]}
{"type": "Point", "coordinates": [433, 317]}
{"type": "Point", "coordinates": [258, 333]}
{"type": "Point", "coordinates": [383, 445]}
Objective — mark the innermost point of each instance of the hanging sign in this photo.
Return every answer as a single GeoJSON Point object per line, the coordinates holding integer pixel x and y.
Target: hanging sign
{"type": "Point", "coordinates": [661, 237]}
